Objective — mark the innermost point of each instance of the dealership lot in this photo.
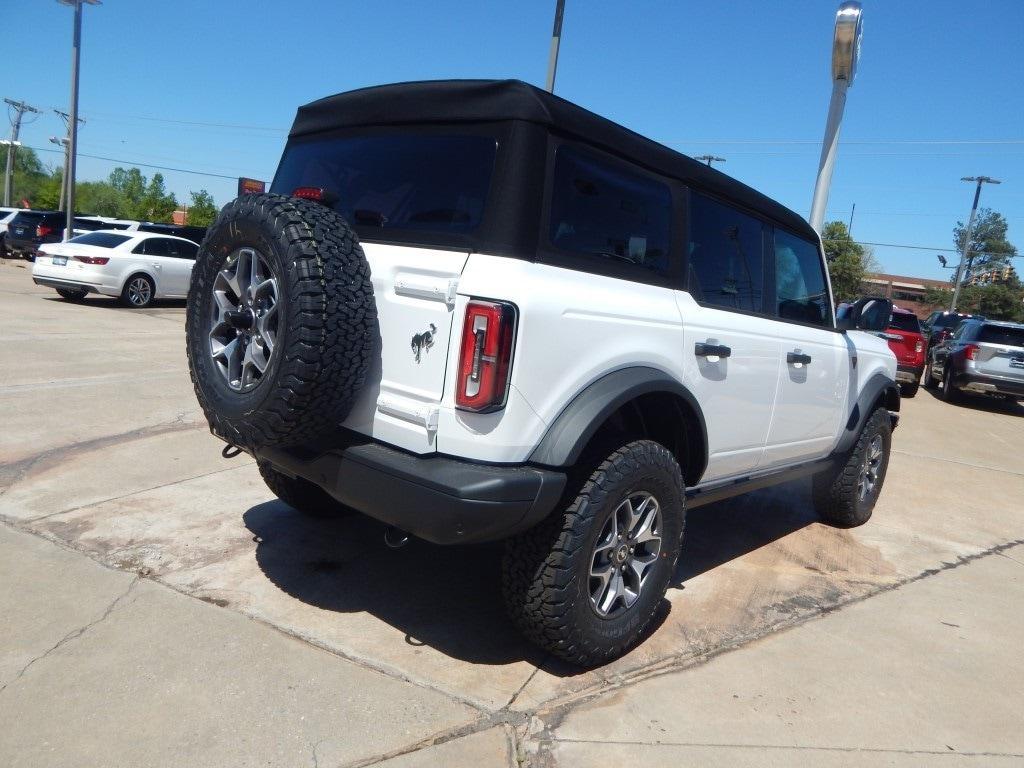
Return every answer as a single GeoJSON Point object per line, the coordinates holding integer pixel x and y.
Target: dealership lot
{"type": "Point", "coordinates": [219, 602]}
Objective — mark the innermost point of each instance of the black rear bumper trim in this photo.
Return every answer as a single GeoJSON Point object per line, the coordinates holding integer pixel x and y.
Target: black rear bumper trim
{"type": "Point", "coordinates": [437, 498]}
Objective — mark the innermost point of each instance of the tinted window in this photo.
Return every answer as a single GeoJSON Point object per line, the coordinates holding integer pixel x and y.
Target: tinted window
{"type": "Point", "coordinates": [153, 246]}
{"type": "Point", "coordinates": [726, 256]}
{"type": "Point", "coordinates": [1000, 334]}
{"type": "Point", "coordinates": [179, 249]}
{"type": "Point", "coordinates": [419, 182]}
{"type": "Point", "coordinates": [904, 322]}
{"type": "Point", "coordinates": [89, 225]}
{"type": "Point", "coordinates": [101, 239]}
{"type": "Point", "coordinates": [600, 209]}
{"type": "Point", "coordinates": [800, 290]}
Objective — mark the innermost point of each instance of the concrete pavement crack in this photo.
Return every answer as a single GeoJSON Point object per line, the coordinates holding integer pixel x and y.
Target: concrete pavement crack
{"type": "Point", "coordinates": [73, 634]}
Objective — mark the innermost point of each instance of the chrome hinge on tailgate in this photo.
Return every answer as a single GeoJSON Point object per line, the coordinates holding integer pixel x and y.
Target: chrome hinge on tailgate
{"type": "Point", "coordinates": [425, 287]}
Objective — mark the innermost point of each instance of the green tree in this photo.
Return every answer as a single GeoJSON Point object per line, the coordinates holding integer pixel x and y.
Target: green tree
{"type": "Point", "coordinates": [848, 262]}
{"type": "Point", "coordinates": [29, 175]}
{"type": "Point", "coordinates": [203, 210]}
{"type": "Point", "coordinates": [989, 244]}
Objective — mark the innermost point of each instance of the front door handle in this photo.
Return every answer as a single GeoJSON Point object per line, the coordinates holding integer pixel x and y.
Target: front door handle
{"type": "Point", "coordinates": [798, 358]}
{"type": "Point", "coordinates": [711, 350]}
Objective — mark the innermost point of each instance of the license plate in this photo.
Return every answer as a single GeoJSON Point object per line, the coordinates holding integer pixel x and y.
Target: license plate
{"type": "Point", "coordinates": [60, 261]}
{"type": "Point", "coordinates": [1017, 362]}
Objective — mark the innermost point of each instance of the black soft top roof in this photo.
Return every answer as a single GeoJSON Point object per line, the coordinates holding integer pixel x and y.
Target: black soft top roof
{"type": "Point", "coordinates": [457, 101]}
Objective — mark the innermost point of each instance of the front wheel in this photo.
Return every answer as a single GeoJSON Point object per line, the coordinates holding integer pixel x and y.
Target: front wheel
{"type": "Point", "coordinates": [845, 496]}
{"type": "Point", "coordinates": [585, 583]}
{"type": "Point", "coordinates": [929, 377]}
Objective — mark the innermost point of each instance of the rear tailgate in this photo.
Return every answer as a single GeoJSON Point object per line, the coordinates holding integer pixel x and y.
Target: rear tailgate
{"type": "Point", "coordinates": [907, 346]}
{"type": "Point", "coordinates": [1000, 352]}
{"type": "Point", "coordinates": [414, 289]}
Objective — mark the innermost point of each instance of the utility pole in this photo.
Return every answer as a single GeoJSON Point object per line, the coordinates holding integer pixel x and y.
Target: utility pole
{"type": "Point", "coordinates": [76, 55]}
{"type": "Point", "coordinates": [709, 159]}
{"type": "Point", "coordinates": [63, 144]}
{"type": "Point", "coordinates": [67, 156]}
{"type": "Point", "coordinates": [20, 108]}
{"type": "Point", "coordinates": [849, 227]}
{"type": "Point", "coordinates": [556, 39]}
{"type": "Point", "coordinates": [963, 270]}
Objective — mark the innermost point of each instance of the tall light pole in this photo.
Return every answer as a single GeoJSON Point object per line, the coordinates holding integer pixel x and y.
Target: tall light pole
{"type": "Point", "coordinates": [709, 159]}
{"type": "Point", "coordinates": [556, 39]}
{"type": "Point", "coordinates": [20, 108]}
{"type": "Point", "coordinates": [964, 268]}
{"type": "Point", "coordinates": [845, 52]}
{"type": "Point", "coordinates": [76, 55]}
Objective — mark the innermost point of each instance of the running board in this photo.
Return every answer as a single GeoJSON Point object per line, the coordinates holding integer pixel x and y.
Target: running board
{"type": "Point", "coordinates": [725, 489]}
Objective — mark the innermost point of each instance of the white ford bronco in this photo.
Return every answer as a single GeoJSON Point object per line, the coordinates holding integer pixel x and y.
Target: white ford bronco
{"type": "Point", "coordinates": [475, 311]}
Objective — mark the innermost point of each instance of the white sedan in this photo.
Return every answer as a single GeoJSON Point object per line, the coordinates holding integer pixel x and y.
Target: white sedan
{"type": "Point", "coordinates": [137, 267]}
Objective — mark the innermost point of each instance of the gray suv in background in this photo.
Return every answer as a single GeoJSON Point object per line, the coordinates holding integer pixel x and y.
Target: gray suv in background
{"type": "Point", "coordinates": [983, 357]}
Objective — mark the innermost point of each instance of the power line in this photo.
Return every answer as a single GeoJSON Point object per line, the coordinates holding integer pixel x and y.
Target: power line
{"type": "Point", "coordinates": [145, 165]}
{"type": "Point", "coordinates": [917, 247]}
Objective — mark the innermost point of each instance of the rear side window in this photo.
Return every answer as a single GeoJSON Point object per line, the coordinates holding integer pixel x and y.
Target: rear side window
{"type": "Point", "coordinates": [101, 239]}
{"type": "Point", "coordinates": [1001, 334]}
{"type": "Point", "coordinates": [904, 322]}
{"type": "Point", "coordinates": [179, 249]}
{"type": "Point", "coordinates": [800, 289]}
{"type": "Point", "coordinates": [726, 256]}
{"type": "Point", "coordinates": [412, 182]}
{"type": "Point", "coordinates": [152, 246]}
{"type": "Point", "coordinates": [601, 209]}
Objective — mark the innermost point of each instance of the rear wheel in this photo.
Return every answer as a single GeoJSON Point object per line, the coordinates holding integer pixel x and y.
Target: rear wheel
{"type": "Point", "coordinates": [301, 494]}
{"type": "Point", "coordinates": [585, 583]}
{"type": "Point", "coordinates": [138, 292]}
{"type": "Point", "coordinates": [929, 377]}
{"type": "Point", "coordinates": [845, 496]}
{"type": "Point", "coordinates": [909, 390]}
{"type": "Point", "coordinates": [70, 294]}
{"type": "Point", "coordinates": [949, 392]}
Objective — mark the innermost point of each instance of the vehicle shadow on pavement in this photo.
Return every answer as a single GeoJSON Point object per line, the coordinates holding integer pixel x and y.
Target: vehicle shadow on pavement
{"type": "Point", "coordinates": [448, 598]}
{"type": "Point", "coordinates": [111, 302]}
{"type": "Point", "coordinates": [981, 403]}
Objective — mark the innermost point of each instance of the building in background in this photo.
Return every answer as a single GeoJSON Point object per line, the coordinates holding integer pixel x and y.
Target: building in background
{"type": "Point", "coordinates": [907, 292]}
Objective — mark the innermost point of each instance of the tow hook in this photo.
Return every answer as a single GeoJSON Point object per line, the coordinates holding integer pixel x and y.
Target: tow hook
{"type": "Point", "coordinates": [395, 538]}
{"type": "Point", "coordinates": [229, 451]}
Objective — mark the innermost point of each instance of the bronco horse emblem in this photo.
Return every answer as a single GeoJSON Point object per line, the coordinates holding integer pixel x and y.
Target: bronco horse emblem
{"type": "Point", "coordinates": [422, 342]}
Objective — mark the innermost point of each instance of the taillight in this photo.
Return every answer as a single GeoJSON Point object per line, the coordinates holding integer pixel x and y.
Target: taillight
{"type": "Point", "coordinates": [309, 193]}
{"type": "Point", "coordinates": [919, 347]}
{"type": "Point", "coordinates": [92, 259]}
{"type": "Point", "coordinates": [488, 334]}
{"type": "Point", "coordinates": [971, 351]}
{"type": "Point", "coordinates": [42, 230]}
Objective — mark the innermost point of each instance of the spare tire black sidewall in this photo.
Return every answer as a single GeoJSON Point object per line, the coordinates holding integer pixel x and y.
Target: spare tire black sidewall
{"type": "Point", "coordinates": [222, 242]}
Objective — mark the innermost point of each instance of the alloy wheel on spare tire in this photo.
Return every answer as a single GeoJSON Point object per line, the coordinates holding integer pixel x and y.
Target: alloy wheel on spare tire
{"type": "Point", "coordinates": [281, 321]}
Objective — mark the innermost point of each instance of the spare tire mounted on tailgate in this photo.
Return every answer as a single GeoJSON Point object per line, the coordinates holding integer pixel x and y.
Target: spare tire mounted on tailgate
{"type": "Point", "coordinates": [281, 321]}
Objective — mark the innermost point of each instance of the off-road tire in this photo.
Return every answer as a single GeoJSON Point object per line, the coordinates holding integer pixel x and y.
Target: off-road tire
{"type": "Point", "coordinates": [326, 332]}
{"type": "Point", "coordinates": [546, 570]}
{"type": "Point", "coordinates": [69, 294]}
{"type": "Point", "coordinates": [301, 495]}
{"type": "Point", "coordinates": [909, 390]}
{"type": "Point", "coordinates": [835, 491]}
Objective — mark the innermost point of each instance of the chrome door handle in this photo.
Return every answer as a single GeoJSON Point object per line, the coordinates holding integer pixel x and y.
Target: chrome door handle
{"type": "Point", "coordinates": [798, 358]}
{"type": "Point", "coordinates": [711, 350]}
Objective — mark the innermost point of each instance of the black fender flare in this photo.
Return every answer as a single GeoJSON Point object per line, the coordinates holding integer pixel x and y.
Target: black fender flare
{"type": "Point", "coordinates": [879, 386]}
{"type": "Point", "coordinates": [569, 433]}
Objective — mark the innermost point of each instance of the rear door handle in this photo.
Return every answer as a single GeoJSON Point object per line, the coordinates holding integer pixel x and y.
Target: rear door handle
{"type": "Point", "coordinates": [711, 350]}
{"type": "Point", "coordinates": [798, 358]}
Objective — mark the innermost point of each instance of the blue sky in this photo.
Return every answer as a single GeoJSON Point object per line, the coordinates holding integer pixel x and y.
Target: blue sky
{"type": "Point", "coordinates": [938, 93]}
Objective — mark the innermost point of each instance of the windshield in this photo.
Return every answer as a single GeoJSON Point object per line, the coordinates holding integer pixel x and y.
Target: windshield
{"type": "Point", "coordinates": [905, 322]}
{"type": "Point", "coordinates": [412, 182]}
{"type": "Point", "coordinates": [100, 239]}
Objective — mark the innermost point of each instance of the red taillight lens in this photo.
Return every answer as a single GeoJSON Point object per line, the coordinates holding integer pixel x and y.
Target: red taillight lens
{"type": "Point", "coordinates": [919, 347]}
{"type": "Point", "coordinates": [309, 193]}
{"type": "Point", "coordinates": [92, 259]}
{"type": "Point", "coordinates": [971, 351]}
{"type": "Point", "coordinates": [42, 230]}
{"type": "Point", "coordinates": [488, 334]}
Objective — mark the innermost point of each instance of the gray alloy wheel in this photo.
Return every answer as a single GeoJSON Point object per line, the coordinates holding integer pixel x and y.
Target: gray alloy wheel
{"type": "Point", "coordinates": [138, 291]}
{"type": "Point", "coordinates": [868, 478]}
{"type": "Point", "coordinates": [243, 319]}
{"type": "Point", "coordinates": [628, 546]}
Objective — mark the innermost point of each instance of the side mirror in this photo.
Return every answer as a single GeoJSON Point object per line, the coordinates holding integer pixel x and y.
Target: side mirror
{"type": "Point", "coordinates": [871, 314]}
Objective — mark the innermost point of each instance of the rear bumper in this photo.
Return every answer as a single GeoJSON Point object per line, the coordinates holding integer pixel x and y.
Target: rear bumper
{"type": "Point", "coordinates": [988, 385]}
{"type": "Point", "coordinates": [909, 374]}
{"type": "Point", "coordinates": [440, 499]}
{"type": "Point", "coordinates": [52, 282]}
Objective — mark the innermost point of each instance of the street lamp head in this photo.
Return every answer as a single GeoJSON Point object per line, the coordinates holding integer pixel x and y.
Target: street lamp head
{"type": "Point", "coordinates": [73, 3]}
{"type": "Point", "coordinates": [981, 179]}
{"type": "Point", "coordinates": [846, 42]}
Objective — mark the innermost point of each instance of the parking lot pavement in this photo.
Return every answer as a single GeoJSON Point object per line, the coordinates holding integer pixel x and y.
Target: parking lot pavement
{"type": "Point", "coordinates": [105, 452]}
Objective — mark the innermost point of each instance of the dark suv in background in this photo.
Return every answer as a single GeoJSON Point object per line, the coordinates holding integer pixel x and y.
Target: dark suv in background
{"type": "Point", "coordinates": [30, 229]}
{"type": "Point", "coordinates": [940, 325]}
{"type": "Point", "coordinates": [983, 357]}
